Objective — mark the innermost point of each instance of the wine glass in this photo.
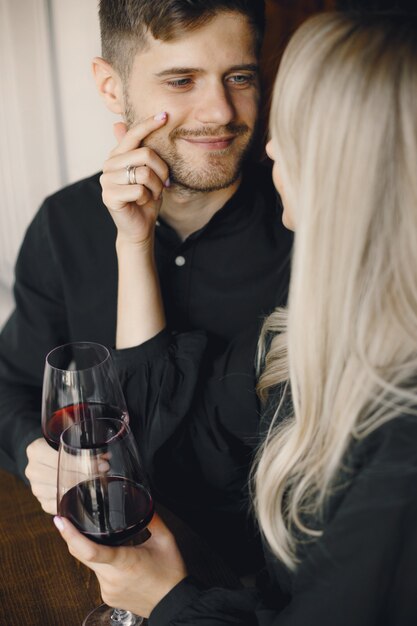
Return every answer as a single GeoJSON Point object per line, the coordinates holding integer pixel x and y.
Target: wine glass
{"type": "Point", "coordinates": [102, 490]}
{"type": "Point", "coordinates": [80, 382]}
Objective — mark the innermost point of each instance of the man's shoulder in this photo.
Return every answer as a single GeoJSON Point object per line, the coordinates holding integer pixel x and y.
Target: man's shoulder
{"type": "Point", "coordinates": [86, 191]}
{"type": "Point", "coordinates": [76, 208]}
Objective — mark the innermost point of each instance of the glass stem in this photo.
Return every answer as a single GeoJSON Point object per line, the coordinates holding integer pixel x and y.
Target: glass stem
{"type": "Point", "coordinates": [119, 617]}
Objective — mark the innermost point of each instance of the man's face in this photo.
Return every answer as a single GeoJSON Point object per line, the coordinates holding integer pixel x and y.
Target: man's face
{"type": "Point", "coordinates": [207, 82]}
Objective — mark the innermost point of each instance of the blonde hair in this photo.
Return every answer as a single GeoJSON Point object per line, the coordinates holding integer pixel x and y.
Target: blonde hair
{"type": "Point", "coordinates": [344, 130]}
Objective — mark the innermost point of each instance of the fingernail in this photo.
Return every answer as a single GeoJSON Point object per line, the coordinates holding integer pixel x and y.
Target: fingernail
{"type": "Point", "coordinates": [167, 183]}
{"type": "Point", "coordinates": [59, 523]}
{"type": "Point", "coordinates": [160, 116]}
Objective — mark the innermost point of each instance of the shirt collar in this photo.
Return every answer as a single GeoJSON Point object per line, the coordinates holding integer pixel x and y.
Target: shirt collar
{"type": "Point", "coordinates": [236, 211]}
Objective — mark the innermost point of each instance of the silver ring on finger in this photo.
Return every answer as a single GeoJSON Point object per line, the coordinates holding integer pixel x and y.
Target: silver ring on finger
{"type": "Point", "coordinates": [131, 174]}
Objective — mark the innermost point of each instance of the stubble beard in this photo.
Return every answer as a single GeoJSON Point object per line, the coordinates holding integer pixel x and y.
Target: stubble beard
{"type": "Point", "coordinates": [221, 168]}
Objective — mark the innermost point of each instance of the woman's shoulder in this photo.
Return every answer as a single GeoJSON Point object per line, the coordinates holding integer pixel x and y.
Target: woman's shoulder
{"type": "Point", "coordinates": [392, 443]}
{"type": "Point", "coordinates": [378, 465]}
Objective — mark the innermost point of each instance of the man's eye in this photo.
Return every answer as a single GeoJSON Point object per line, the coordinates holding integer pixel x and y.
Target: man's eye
{"type": "Point", "coordinates": [241, 80]}
{"type": "Point", "coordinates": [179, 82]}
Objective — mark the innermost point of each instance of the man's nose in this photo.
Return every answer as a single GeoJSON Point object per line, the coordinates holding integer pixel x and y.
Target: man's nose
{"type": "Point", "coordinates": [215, 106]}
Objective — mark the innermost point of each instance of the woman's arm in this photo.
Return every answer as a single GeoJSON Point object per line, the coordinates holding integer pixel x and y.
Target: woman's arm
{"type": "Point", "coordinates": [134, 209]}
{"type": "Point", "coordinates": [362, 571]}
{"type": "Point", "coordinates": [137, 579]}
{"type": "Point", "coordinates": [140, 311]}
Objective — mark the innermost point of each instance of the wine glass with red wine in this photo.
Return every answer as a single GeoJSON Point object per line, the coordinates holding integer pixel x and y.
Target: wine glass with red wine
{"type": "Point", "coordinates": [80, 382]}
{"type": "Point", "coordinates": [103, 491]}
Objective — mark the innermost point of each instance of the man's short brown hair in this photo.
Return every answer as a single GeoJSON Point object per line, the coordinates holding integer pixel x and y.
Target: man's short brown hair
{"type": "Point", "coordinates": [124, 24]}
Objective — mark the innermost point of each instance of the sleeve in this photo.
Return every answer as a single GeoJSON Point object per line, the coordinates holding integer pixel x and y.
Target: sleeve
{"type": "Point", "coordinates": [160, 375]}
{"type": "Point", "coordinates": [37, 324]}
{"type": "Point", "coordinates": [191, 605]}
{"type": "Point", "coordinates": [174, 384]}
{"type": "Point", "coordinates": [196, 418]}
{"type": "Point", "coordinates": [362, 571]}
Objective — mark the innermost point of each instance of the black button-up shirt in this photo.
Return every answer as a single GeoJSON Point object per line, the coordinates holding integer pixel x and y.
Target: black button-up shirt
{"type": "Point", "coordinates": [220, 279]}
{"type": "Point", "coordinates": [236, 268]}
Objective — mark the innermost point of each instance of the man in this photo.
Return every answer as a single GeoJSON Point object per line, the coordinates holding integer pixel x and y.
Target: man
{"type": "Point", "coordinates": [219, 242]}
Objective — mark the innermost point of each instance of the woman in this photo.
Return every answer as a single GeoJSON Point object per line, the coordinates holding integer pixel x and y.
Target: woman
{"type": "Point", "coordinates": [335, 485]}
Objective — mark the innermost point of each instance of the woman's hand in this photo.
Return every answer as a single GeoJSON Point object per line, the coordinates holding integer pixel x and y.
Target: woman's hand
{"type": "Point", "coordinates": [133, 179]}
{"type": "Point", "coordinates": [134, 198]}
{"type": "Point", "coordinates": [133, 578]}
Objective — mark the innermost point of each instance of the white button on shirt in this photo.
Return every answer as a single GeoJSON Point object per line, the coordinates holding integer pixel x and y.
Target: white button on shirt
{"type": "Point", "coordinates": [180, 261]}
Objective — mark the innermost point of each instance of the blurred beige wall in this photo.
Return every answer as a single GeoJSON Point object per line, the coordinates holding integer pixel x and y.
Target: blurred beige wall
{"type": "Point", "coordinates": [87, 125]}
{"type": "Point", "coordinates": [54, 128]}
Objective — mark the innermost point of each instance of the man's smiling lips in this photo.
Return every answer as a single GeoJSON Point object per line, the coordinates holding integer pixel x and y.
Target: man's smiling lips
{"type": "Point", "coordinates": [210, 143]}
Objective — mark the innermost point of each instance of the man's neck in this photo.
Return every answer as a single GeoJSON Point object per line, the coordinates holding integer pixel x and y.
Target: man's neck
{"type": "Point", "coordinates": [186, 212]}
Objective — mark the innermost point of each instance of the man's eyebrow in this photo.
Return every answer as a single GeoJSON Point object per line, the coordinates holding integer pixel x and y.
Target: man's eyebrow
{"type": "Point", "coordinates": [177, 71]}
{"type": "Point", "coordinates": [247, 67]}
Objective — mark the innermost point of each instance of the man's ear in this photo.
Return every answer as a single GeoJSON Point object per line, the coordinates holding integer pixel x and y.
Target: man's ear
{"type": "Point", "coordinates": [109, 85]}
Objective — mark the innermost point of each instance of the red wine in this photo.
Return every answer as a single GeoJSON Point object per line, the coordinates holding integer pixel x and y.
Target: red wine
{"type": "Point", "coordinates": [108, 510]}
{"type": "Point", "coordinates": [61, 419]}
